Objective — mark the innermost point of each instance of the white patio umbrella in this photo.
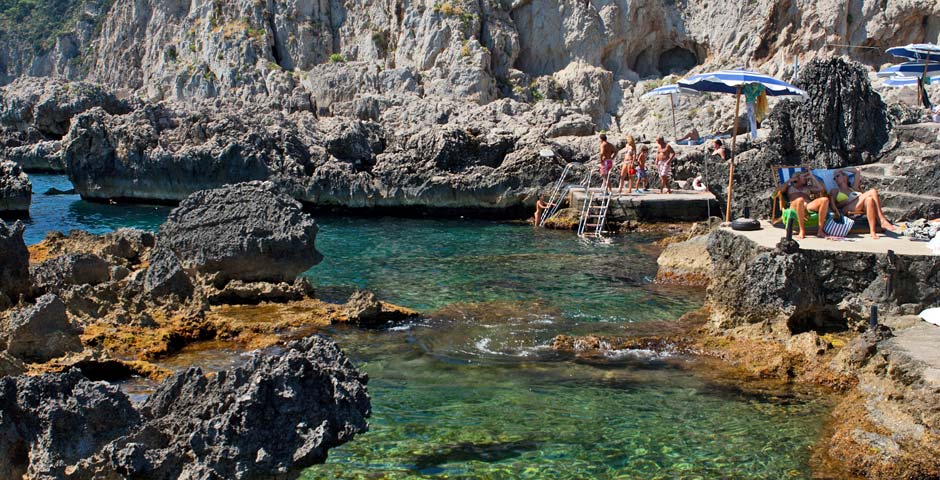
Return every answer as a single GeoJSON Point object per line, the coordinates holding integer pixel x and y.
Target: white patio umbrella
{"type": "Point", "coordinates": [673, 91]}
{"type": "Point", "coordinates": [733, 81]}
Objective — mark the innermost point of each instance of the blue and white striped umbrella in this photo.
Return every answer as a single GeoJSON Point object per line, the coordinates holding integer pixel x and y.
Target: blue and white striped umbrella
{"type": "Point", "coordinates": [899, 82]}
{"type": "Point", "coordinates": [730, 81]}
{"type": "Point", "coordinates": [916, 51]}
{"type": "Point", "coordinates": [670, 90]}
{"type": "Point", "coordinates": [673, 91]}
{"type": "Point", "coordinates": [911, 69]}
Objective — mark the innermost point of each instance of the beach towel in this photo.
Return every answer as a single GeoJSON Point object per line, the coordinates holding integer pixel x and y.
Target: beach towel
{"type": "Point", "coordinates": [812, 218]}
{"type": "Point", "coordinates": [838, 228]}
{"type": "Point", "coordinates": [825, 176]}
{"type": "Point", "coordinates": [931, 315]}
{"type": "Point", "coordinates": [786, 173]}
{"type": "Point", "coordinates": [934, 245]}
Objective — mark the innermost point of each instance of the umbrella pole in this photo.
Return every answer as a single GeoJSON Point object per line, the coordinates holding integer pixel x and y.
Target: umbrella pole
{"type": "Point", "coordinates": [921, 89]}
{"type": "Point", "coordinates": [734, 138]}
{"type": "Point", "coordinates": [675, 136]}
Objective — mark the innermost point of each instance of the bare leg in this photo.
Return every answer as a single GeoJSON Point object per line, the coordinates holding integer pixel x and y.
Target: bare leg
{"type": "Point", "coordinates": [668, 181]}
{"type": "Point", "coordinates": [800, 206]}
{"type": "Point", "coordinates": [821, 207]}
{"type": "Point", "coordinates": [881, 214]}
{"type": "Point", "coordinates": [870, 213]}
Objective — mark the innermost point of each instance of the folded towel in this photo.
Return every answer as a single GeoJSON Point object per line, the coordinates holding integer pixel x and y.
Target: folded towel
{"type": "Point", "coordinates": [931, 315]}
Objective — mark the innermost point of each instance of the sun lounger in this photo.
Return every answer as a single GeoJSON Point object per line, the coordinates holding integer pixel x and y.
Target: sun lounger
{"type": "Point", "coordinates": [779, 202]}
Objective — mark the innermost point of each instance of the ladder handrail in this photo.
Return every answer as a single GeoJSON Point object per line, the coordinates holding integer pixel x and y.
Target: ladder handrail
{"type": "Point", "coordinates": [589, 202]}
{"type": "Point", "coordinates": [556, 196]}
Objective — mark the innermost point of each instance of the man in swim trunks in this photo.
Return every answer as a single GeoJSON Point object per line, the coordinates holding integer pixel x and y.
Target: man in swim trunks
{"type": "Point", "coordinates": [800, 191]}
{"type": "Point", "coordinates": [608, 152]}
{"type": "Point", "coordinates": [664, 157]}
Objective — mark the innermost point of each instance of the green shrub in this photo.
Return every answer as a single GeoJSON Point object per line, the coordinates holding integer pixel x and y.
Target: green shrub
{"type": "Point", "coordinates": [39, 22]}
{"type": "Point", "coordinates": [337, 58]}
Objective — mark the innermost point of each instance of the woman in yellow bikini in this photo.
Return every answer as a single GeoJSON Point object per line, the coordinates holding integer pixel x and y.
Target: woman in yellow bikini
{"type": "Point", "coordinates": [849, 201]}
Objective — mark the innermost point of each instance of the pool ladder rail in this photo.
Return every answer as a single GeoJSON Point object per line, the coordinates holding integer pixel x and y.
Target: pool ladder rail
{"type": "Point", "coordinates": [560, 189]}
{"type": "Point", "coordinates": [594, 212]}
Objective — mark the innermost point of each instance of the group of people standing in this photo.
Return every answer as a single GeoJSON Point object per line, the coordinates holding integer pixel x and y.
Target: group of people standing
{"type": "Point", "coordinates": [634, 170]}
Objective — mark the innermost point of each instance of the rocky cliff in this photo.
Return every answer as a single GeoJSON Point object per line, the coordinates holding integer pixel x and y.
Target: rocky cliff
{"type": "Point", "coordinates": [592, 53]}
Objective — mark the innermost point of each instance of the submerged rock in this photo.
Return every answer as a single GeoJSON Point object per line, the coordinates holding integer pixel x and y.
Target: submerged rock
{"type": "Point", "coordinates": [247, 232]}
{"type": "Point", "coordinates": [40, 332]}
{"type": "Point", "coordinates": [16, 192]}
{"type": "Point", "coordinates": [364, 309]}
{"type": "Point", "coordinates": [14, 264]}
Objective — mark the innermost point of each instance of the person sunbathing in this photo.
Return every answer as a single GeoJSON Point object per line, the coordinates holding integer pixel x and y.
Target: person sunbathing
{"type": "Point", "coordinates": [800, 191]}
{"type": "Point", "coordinates": [848, 200]}
{"type": "Point", "coordinates": [691, 137]}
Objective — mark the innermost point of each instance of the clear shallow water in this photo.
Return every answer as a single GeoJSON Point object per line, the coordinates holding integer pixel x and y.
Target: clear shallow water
{"type": "Point", "coordinates": [473, 391]}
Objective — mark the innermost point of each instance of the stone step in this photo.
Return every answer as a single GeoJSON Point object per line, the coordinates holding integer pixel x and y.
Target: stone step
{"type": "Point", "coordinates": [918, 133]}
{"type": "Point", "coordinates": [876, 169]}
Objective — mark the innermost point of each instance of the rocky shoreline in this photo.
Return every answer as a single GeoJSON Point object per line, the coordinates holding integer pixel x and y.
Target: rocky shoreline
{"type": "Point", "coordinates": [772, 315]}
{"type": "Point", "coordinates": [80, 311]}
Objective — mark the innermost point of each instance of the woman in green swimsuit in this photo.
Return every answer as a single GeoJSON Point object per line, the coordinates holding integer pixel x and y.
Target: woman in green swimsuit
{"type": "Point", "coordinates": [848, 200]}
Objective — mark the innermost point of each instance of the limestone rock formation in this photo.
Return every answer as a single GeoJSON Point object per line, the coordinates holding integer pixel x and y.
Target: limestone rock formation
{"type": "Point", "coordinates": [810, 289]}
{"type": "Point", "coordinates": [842, 123]}
{"type": "Point", "coordinates": [685, 263]}
{"type": "Point", "coordinates": [70, 270]}
{"type": "Point", "coordinates": [49, 423]}
{"type": "Point", "coordinates": [248, 232]}
{"type": "Point", "coordinates": [14, 264]}
{"type": "Point", "coordinates": [16, 191]}
{"type": "Point", "coordinates": [36, 112]}
{"type": "Point", "coordinates": [272, 416]}
{"type": "Point", "coordinates": [364, 309]}
{"type": "Point", "coordinates": [40, 332]}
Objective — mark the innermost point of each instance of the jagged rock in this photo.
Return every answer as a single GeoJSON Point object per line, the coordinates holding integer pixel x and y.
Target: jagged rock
{"type": "Point", "coordinates": [14, 263]}
{"type": "Point", "coordinates": [10, 365]}
{"type": "Point", "coordinates": [842, 123]}
{"type": "Point", "coordinates": [49, 423]}
{"type": "Point", "coordinates": [165, 276]}
{"type": "Point", "coordinates": [71, 269]}
{"type": "Point", "coordinates": [40, 332]}
{"type": "Point", "coordinates": [16, 191]}
{"type": "Point", "coordinates": [364, 309]}
{"type": "Point", "coordinates": [248, 232]}
{"type": "Point", "coordinates": [811, 289]}
{"type": "Point", "coordinates": [418, 154]}
{"type": "Point", "coordinates": [128, 246]}
{"type": "Point", "coordinates": [274, 415]}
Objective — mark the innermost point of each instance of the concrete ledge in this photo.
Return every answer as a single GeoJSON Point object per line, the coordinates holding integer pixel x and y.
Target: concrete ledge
{"type": "Point", "coordinates": [682, 205]}
{"type": "Point", "coordinates": [770, 235]}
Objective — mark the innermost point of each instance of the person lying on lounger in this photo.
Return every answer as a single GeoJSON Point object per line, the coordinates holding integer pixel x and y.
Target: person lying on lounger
{"type": "Point", "coordinates": [691, 137]}
{"type": "Point", "coordinates": [806, 194]}
{"type": "Point", "coordinates": [848, 200]}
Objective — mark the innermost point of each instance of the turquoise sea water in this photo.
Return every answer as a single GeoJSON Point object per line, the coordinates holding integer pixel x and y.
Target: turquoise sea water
{"type": "Point", "coordinates": [474, 391]}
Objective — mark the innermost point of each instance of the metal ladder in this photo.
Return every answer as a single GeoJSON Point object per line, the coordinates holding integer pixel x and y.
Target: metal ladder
{"type": "Point", "coordinates": [560, 190]}
{"type": "Point", "coordinates": [594, 211]}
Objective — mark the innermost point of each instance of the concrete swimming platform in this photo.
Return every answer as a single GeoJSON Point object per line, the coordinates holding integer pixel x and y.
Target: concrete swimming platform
{"type": "Point", "coordinates": [769, 235]}
{"type": "Point", "coordinates": [681, 205]}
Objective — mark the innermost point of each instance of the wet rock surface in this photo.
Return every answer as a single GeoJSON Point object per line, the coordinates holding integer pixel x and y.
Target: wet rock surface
{"type": "Point", "coordinates": [364, 309]}
{"type": "Point", "coordinates": [16, 192]}
{"type": "Point", "coordinates": [272, 416]}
